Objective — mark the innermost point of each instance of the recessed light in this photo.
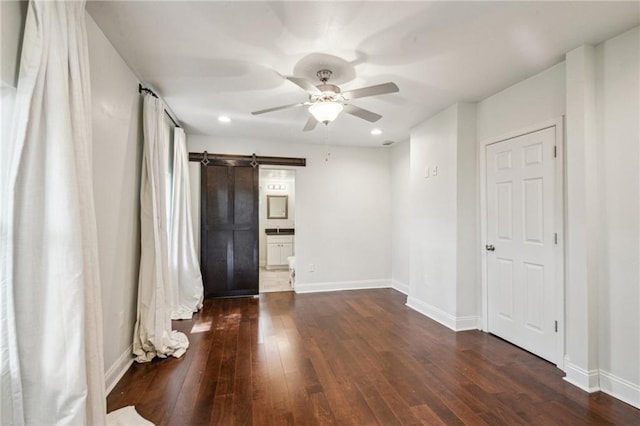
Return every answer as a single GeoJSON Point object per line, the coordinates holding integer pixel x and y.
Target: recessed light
{"type": "Point", "coordinates": [224, 119]}
{"type": "Point", "coordinates": [376, 132]}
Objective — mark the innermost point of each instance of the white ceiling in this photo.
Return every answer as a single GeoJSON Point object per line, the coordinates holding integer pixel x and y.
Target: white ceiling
{"type": "Point", "coordinates": [224, 58]}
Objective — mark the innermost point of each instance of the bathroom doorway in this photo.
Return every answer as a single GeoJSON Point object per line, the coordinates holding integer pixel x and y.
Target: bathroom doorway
{"type": "Point", "coordinates": [276, 229]}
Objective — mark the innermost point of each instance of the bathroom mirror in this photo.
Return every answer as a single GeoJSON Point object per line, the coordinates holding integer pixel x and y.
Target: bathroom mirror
{"type": "Point", "coordinates": [277, 206]}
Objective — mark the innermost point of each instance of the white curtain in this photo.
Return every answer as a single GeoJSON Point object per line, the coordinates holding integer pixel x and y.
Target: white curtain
{"type": "Point", "coordinates": [51, 343]}
{"type": "Point", "coordinates": [153, 335]}
{"type": "Point", "coordinates": [185, 269]}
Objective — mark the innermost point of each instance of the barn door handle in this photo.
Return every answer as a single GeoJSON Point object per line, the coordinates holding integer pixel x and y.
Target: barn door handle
{"type": "Point", "coordinates": [490, 247]}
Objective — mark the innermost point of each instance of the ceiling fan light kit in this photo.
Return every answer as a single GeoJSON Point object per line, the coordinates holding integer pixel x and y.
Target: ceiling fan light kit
{"type": "Point", "coordinates": [327, 101]}
{"type": "Point", "coordinates": [325, 111]}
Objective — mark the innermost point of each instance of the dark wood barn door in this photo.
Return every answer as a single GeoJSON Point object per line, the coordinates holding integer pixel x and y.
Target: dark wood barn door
{"type": "Point", "coordinates": [229, 214]}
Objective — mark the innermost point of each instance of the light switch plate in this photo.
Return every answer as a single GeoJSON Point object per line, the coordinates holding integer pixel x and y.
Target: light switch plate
{"type": "Point", "coordinates": [435, 170]}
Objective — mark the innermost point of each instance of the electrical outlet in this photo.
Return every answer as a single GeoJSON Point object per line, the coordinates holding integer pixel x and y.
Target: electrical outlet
{"type": "Point", "coordinates": [435, 171]}
{"type": "Point", "coordinates": [312, 267]}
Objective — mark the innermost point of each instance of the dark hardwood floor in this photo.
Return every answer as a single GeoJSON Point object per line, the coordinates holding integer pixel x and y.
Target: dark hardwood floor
{"type": "Point", "coordinates": [353, 357]}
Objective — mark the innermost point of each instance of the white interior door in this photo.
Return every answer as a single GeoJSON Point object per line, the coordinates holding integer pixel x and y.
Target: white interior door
{"type": "Point", "coordinates": [520, 242]}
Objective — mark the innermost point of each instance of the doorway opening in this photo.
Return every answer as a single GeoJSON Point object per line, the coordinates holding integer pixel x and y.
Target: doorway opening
{"type": "Point", "coordinates": [276, 229]}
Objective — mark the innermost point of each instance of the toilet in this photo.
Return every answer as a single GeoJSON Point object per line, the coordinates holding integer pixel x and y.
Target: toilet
{"type": "Point", "coordinates": [292, 270]}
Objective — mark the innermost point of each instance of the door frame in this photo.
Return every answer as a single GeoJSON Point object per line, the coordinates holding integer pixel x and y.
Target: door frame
{"type": "Point", "coordinates": [559, 253]}
{"type": "Point", "coordinates": [263, 166]}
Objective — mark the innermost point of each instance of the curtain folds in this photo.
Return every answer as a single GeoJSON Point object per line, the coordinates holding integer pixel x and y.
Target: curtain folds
{"type": "Point", "coordinates": [153, 335]}
{"type": "Point", "coordinates": [185, 270]}
{"type": "Point", "coordinates": [51, 345]}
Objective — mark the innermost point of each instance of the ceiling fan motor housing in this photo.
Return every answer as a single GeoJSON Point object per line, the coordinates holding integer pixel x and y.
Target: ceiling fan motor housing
{"type": "Point", "coordinates": [327, 88]}
{"type": "Point", "coordinates": [324, 75]}
{"type": "Point", "coordinates": [330, 93]}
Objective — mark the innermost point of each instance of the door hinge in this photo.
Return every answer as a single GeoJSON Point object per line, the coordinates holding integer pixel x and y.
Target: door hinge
{"type": "Point", "coordinates": [555, 151]}
{"type": "Point", "coordinates": [555, 238]}
{"type": "Point", "coordinates": [556, 326]}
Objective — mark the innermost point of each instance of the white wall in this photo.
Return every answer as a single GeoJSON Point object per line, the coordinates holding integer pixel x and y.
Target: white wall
{"type": "Point", "coordinates": [342, 210]}
{"type": "Point", "coordinates": [583, 221]}
{"type": "Point", "coordinates": [467, 265]}
{"type": "Point", "coordinates": [117, 155]}
{"type": "Point", "coordinates": [12, 17]}
{"type": "Point", "coordinates": [443, 278]}
{"type": "Point", "coordinates": [618, 115]}
{"type": "Point", "coordinates": [532, 101]}
{"type": "Point", "coordinates": [399, 157]}
{"type": "Point", "coordinates": [433, 212]}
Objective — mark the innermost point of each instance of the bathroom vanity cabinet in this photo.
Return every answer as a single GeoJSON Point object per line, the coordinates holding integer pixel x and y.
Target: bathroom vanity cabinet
{"type": "Point", "coordinates": [279, 248]}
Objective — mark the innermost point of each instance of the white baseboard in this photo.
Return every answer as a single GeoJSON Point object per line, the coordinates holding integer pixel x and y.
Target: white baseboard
{"type": "Point", "coordinates": [117, 370]}
{"type": "Point", "coordinates": [341, 285]}
{"type": "Point", "coordinates": [468, 323]}
{"type": "Point", "coordinates": [400, 286]}
{"type": "Point", "coordinates": [620, 388]}
{"type": "Point", "coordinates": [444, 318]}
{"type": "Point", "coordinates": [587, 380]}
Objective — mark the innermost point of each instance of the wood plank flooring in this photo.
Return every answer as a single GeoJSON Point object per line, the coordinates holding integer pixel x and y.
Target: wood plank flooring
{"type": "Point", "coordinates": [350, 358]}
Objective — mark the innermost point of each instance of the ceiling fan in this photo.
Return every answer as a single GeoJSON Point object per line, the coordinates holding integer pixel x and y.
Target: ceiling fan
{"type": "Point", "coordinates": [326, 100]}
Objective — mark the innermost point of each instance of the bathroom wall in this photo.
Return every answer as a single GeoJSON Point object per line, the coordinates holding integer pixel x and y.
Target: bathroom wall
{"type": "Point", "coordinates": [275, 177]}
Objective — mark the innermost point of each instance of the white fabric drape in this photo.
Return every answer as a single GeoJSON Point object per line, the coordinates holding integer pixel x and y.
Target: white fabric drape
{"type": "Point", "coordinates": [153, 335]}
{"type": "Point", "coordinates": [185, 269]}
{"type": "Point", "coordinates": [51, 345]}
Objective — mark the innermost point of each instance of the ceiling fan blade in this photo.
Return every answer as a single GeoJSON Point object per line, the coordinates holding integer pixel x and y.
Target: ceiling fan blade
{"type": "Point", "coordinates": [371, 117]}
{"type": "Point", "coordinates": [305, 85]}
{"type": "Point", "coordinates": [262, 111]}
{"type": "Point", "coordinates": [311, 124]}
{"type": "Point", "coordinates": [379, 89]}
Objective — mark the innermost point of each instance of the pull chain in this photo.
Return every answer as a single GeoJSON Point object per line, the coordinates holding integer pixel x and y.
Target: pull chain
{"type": "Point", "coordinates": [326, 142]}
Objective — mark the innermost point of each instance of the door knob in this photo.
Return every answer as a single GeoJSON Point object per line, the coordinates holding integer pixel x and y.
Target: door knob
{"type": "Point", "coordinates": [490, 247]}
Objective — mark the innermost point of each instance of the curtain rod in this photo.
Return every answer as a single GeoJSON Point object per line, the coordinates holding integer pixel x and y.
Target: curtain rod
{"type": "Point", "coordinates": [151, 92]}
